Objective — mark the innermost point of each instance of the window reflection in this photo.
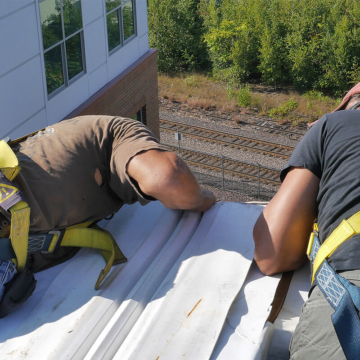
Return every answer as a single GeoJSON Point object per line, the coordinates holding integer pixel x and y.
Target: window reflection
{"type": "Point", "coordinates": [121, 24]}
{"type": "Point", "coordinates": [61, 25]}
{"type": "Point", "coordinates": [74, 56]}
{"type": "Point", "coordinates": [112, 4]}
{"type": "Point", "coordinates": [128, 20]}
{"type": "Point", "coordinates": [113, 30]}
{"type": "Point", "coordinates": [50, 15]}
{"type": "Point", "coordinates": [54, 69]}
{"type": "Point", "coordinates": [72, 16]}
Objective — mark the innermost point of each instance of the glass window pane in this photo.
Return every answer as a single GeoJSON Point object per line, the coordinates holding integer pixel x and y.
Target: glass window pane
{"type": "Point", "coordinates": [53, 69]}
{"type": "Point", "coordinates": [72, 16]}
{"type": "Point", "coordinates": [113, 30]}
{"type": "Point", "coordinates": [112, 4]}
{"type": "Point", "coordinates": [74, 56]}
{"type": "Point", "coordinates": [128, 20]}
{"type": "Point", "coordinates": [50, 14]}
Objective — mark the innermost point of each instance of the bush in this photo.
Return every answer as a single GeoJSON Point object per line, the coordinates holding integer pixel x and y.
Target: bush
{"type": "Point", "coordinates": [244, 96]}
{"type": "Point", "coordinates": [176, 30]}
{"type": "Point", "coordinates": [191, 81]}
{"type": "Point", "coordinates": [313, 45]}
{"type": "Point", "coordinates": [284, 109]}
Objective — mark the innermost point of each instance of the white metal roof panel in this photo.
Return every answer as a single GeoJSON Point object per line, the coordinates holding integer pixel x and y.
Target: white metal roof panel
{"type": "Point", "coordinates": [177, 297]}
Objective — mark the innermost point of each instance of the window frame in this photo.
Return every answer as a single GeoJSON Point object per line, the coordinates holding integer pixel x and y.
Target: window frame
{"type": "Point", "coordinates": [62, 44]}
{"type": "Point", "coordinates": [119, 10]}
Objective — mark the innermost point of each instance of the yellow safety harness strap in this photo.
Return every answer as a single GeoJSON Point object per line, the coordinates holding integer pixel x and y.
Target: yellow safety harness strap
{"type": "Point", "coordinates": [20, 211]}
{"type": "Point", "coordinates": [19, 232]}
{"type": "Point", "coordinates": [95, 238]}
{"type": "Point", "coordinates": [79, 235]}
{"type": "Point", "coordinates": [343, 232]}
{"type": "Point", "coordinates": [9, 163]}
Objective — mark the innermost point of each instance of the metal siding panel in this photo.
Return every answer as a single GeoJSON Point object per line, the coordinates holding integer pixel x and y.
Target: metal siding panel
{"type": "Point", "coordinates": [35, 123]}
{"type": "Point", "coordinates": [22, 95]}
{"type": "Point", "coordinates": [95, 45]}
{"type": "Point", "coordinates": [123, 58]}
{"type": "Point", "coordinates": [144, 44]}
{"type": "Point", "coordinates": [21, 41]}
{"type": "Point", "coordinates": [97, 79]}
{"type": "Point", "coordinates": [91, 10]}
{"type": "Point", "coordinates": [8, 6]}
{"type": "Point", "coordinates": [67, 100]}
{"type": "Point", "coordinates": [141, 15]}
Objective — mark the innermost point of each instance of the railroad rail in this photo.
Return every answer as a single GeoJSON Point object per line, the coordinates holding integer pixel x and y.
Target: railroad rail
{"type": "Point", "coordinates": [227, 139]}
{"type": "Point", "coordinates": [230, 166]}
{"type": "Point", "coordinates": [265, 124]}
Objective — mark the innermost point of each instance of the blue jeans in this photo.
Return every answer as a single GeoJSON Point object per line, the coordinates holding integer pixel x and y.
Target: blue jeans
{"type": "Point", "coordinates": [7, 272]}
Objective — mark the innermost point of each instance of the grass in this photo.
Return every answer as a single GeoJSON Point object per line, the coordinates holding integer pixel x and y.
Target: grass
{"type": "Point", "coordinates": [288, 106]}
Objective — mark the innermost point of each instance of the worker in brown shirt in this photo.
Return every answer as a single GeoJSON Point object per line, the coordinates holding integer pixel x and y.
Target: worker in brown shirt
{"type": "Point", "coordinates": [86, 168]}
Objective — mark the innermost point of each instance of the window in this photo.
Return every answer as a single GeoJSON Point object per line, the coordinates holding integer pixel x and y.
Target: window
{"type": "Point", "coordinates": [61, 26]}
{"type": "Point", "coordinates": [141, 115]}
{"type": "Point", "coordinates": [120, 20]}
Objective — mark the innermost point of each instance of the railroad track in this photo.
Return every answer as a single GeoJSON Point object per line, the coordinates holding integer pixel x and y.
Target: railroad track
{"type": "Point", "coordinates": [233, 167]}
{"type": "Point", "coordinates": [226, 139]}
{"type": "Point", "coordinates": [265, 124]}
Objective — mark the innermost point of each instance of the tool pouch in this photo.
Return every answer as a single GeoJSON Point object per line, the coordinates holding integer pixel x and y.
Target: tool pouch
{"type": "Point", "coordinates": [17, 291]}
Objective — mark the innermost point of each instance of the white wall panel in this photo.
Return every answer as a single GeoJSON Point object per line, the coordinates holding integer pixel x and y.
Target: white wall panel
{"type": "Point", "coordinates": [67, 100]}
{"type": "Point", "coordinates": [91, 10]}
{"type": "Point", "coordinates": [8, 6]}
{"type": "Point", "coordinates": [95, 44]}
{"type": "Point", "coordinates": [98, 79]}
{"type": "Point", "coordinates": [19, 39]}
{"type": "Point", "coordinates": [141, 14]}
{"type": "Point", "coordinates": [35, 123]}
{"type": "Point", "coordinates": [144, 44]}
{"type": "Point", "coordinates": [22, 94]}
{"type": "Point", "coordinates": [123, 58]}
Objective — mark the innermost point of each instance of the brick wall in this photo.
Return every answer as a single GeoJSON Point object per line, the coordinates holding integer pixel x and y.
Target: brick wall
{"type": "Point", "coordinates": [133, 89]}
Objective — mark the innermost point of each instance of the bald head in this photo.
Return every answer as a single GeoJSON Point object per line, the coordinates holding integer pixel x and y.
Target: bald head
{"type": "Point", "coordinates": [353, 103]}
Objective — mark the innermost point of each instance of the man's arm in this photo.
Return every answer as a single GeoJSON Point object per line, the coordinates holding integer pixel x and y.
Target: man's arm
{"type": "Point", "coordinates": [165, 176]}
{"type": "Point", "coordinates": [282, 231]}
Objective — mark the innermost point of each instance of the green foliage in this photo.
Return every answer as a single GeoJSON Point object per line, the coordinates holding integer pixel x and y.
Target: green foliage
{"type": "Point", "coordinates": [244, 96]}
{"type": "Point", "coordinates": [176, 30]}
{"type": "Point", "coordinates": [313, 45]}
{"type": "Point", "coordinates": [284, 109]}
{"type": "Point", "coordinates": [230, 92]}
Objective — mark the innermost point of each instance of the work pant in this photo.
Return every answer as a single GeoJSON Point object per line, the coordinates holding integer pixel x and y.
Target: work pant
{"type": "Point", "coordinates": [315, 337]}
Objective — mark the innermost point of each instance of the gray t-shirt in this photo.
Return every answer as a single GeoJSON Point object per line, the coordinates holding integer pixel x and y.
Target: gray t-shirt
{"type": "Point", "coordinates": [75, 171]}
{"type": "Point", "coordinates": [331, 151]}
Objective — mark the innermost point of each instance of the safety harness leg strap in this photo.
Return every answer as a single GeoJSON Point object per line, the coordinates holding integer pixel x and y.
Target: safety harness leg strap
{"type": "Point", "coordinates": [95, 239]}
{"type": "Point", "coordinates": [21, 244]}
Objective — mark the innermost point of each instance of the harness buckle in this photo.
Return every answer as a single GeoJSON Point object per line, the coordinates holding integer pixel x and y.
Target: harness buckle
{"type": "Point", "coordinates": [310, 244]}
{"type": "Point", "coordinates": [55, 242]}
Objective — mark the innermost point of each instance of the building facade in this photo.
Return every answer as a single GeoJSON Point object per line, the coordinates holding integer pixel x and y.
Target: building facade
{"type": "Point", "coordinates": [64, 58]}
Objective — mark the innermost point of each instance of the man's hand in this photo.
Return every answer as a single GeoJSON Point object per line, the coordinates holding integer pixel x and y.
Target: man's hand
{"type": "Point", "coordinates": [282, 231]}
{"type": "Point", "coordinates": [165, 176]}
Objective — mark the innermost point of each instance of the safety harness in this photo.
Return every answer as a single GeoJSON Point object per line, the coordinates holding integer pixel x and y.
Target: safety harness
{"type": "Point", "coordinates": [19, 245]}
{"type": "Point", "coordinates": [343, 296]}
